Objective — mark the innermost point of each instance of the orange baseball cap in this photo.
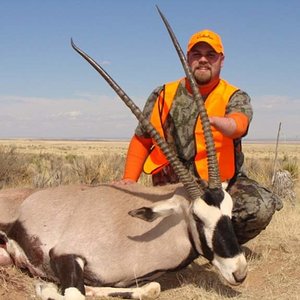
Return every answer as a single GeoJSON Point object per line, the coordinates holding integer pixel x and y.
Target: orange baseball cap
{"type": "Point", "coordinates": [209, 37]}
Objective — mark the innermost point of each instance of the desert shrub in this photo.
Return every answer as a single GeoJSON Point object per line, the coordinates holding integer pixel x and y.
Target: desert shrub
{"type": "Point", "coordinates": [13, 167]}
{"type": "Point", "coordinates": [260, 170]}
{"type": "Point", "coordinates": [281, 180]}
{"type": "Point", "coordinates": [97, 169]}
{"type": "Point", "coordinates": [112, 167]}
{"type": "Point", "coordinates": [48, 170]}
{"type": "Point", "coordinates": [291, 165]}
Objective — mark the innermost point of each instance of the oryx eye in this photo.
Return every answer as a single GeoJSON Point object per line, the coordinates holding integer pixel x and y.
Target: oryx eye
{"type": "Point", "coordinates": [197, 219]}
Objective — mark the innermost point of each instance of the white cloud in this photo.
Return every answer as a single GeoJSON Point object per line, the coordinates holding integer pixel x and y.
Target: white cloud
{"type": "Point", "coordinates": [105, 63]}
{"type": "Point", "coordinates": [87, 115]}
{"type": "Point", "coordinates": [276, 103]}
{"type": "Point", "coordinates": [73, 115]}
{"type": "Point", "coordinates": [269, 111]}
{"type": "Point", "coordinates": [82, 117]}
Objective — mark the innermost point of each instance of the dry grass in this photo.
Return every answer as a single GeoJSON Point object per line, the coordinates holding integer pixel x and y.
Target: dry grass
{"type": "Point", "coordinates": [64, 148]}
{"type": "Point", "coordinates": [274, 269]}
{"type": "Point", "coordinates": [267, 149]}
{"type": "Point", "coordinates": [15, 285]}
{"type": "Point", "coordinates": [41, 164]}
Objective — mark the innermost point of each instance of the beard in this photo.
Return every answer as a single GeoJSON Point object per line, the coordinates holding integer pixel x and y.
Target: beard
{"type": "Point", "coordinates": [202, 76]}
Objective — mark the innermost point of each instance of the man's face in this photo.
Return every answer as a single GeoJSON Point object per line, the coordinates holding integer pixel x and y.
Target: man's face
{"type": "Point", "coordinates": [205, 63]}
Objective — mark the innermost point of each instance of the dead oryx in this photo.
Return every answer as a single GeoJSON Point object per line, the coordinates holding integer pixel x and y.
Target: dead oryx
{"type": "Point", "coordinates": [84, 239]}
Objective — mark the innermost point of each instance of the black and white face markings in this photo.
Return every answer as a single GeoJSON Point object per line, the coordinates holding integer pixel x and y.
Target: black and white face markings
{"type": "Point", "coordinates": [219, 244]}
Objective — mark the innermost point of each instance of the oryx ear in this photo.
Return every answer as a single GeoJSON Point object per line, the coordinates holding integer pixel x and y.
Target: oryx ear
{"type": "Point", "coordinates": [160, 209]}
{"type": "Point", "coordinates": [144, 213]}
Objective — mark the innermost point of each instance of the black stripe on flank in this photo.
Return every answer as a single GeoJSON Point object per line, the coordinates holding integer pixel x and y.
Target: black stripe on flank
{"type": "Point", "coordinates": [225, 243]}
{"type": "Point", "coordinates": [190, 258]}
{"type": "Point", "coordinates": [124, 295]}
{"type": "Point", "coordinates": [31, 245]}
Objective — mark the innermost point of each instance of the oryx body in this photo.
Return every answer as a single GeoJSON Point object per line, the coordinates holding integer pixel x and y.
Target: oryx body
{"type": "Point", "coordinates": [91, 225]}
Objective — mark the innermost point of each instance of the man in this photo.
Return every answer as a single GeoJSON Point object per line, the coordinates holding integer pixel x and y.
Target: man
{"type": "Point", "coordinates": [174, 113]}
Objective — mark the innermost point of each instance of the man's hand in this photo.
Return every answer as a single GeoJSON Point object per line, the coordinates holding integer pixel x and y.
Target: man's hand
{"type": "Point", "coordinates": [226, 125]}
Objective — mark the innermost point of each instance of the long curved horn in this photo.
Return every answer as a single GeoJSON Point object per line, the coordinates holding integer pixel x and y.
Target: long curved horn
{"type": "Point", "coordinates": [214, 180]}
{"type": "Point", "coordinates": [193, 189]}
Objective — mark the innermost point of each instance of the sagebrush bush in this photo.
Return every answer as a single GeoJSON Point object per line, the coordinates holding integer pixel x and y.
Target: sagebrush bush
{"type": "Point", "coordinates": [97, 169]}
{"type": "Point", "coordinates": [260, 170]}
{"type": "Point", "coordinates": [291, 165]}
{"type": "Point", "coordinates": [13, 168]}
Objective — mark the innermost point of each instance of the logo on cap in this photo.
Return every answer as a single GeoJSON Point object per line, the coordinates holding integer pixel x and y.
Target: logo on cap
{"type": "Point", "coordinates": [209, 37]}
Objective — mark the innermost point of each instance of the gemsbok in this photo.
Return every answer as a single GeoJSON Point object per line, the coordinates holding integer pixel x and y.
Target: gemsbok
{"type": "Point", "coordinates": [108, 240]}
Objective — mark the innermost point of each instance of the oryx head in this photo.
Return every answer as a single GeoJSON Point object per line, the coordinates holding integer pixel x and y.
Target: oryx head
{"type": "Point", "coordinates": [210, 208]}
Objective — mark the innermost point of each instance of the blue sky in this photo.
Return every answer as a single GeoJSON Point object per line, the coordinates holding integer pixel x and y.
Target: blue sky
{"type": "Point", "coordinates": [48, 91]}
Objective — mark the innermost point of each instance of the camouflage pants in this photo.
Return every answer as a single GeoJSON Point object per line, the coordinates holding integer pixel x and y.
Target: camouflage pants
{"type": "Point", "coordinates": [253, 207]}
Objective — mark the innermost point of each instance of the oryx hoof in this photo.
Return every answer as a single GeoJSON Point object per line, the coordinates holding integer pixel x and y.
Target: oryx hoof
{"type": "Point", "coordinates": [73, 293]}
{"type": "Point", "coordinates": [47, 291]}
{"type": "Point", "coordinates": [150, 291]}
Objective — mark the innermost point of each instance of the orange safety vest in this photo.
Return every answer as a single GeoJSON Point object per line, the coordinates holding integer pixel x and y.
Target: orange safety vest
{"type": "Point", "coordinates": [215, 104]}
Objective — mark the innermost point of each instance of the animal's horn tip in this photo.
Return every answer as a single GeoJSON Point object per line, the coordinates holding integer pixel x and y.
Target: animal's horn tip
{"type": "Point", "coordinates": [73, 44]}
{"type": "Point", "coordinates": [159, 11]}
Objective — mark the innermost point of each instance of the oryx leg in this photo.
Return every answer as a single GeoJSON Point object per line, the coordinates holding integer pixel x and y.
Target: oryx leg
{"type": "Point", "coordinates": [49, 291]}
{"type": "Point", "coordinates": [69, 270]}
{"type": "Point", "coordinates": [145, 292]}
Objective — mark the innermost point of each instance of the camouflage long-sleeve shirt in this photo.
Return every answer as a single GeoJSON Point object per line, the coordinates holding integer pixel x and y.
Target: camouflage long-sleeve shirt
{"type": "Point", "coordinates": [180, 123]}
